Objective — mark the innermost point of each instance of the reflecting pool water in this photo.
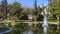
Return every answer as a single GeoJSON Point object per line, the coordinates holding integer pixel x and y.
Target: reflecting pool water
{"type": "Point", "coordinates": [25, 29]}
{"type": "Point", "coordinates": [28, 32]}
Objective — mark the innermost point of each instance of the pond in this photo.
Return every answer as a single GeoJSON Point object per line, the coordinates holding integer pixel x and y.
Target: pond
{"type": "Point", "coordinates": [23, 28]}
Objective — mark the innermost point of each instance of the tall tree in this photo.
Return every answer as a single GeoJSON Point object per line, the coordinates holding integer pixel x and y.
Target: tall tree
{"type": "Point", "coordinates": [39, 10]}
{"type": "Point", "coordinates": [54, 8]}
{"type": "Point", "coordinates": [24, 13]}
{"type": "Point", "coordinates": [35, 9]}
{"type": "Point", "coordinates": [15, 9]}
{"type": "Point", "coordinates": [4, 8]}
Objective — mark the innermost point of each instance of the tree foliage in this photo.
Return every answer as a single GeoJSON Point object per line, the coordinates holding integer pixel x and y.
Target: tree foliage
{"type": "Point", "coordinates": [54, 8]}
{"type": "Point", "coordinates": [15, 9]}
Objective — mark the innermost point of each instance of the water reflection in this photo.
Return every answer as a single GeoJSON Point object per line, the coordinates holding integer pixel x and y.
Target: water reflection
{"type": "Point", "coordinates": [24, 29]}
{"type": "Point", "coordinates": [28, 32]}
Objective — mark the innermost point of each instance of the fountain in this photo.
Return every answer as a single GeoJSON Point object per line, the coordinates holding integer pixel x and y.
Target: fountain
{"type": "Point", "coordinates": [45, 23]}
{"type": "Point", "coordinates": [4, 30]}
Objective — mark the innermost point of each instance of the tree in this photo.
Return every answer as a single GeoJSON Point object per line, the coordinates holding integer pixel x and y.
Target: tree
{"type": "Point", "coordinates": [24, 13]}
{"type": "Point", "coordinates": [35, 9]}
{"type": "Point", "coordinates": [15, 9]}
{"type": "Point", "coordinates": [4, 8]}
{"type": "Point", "coordinates": [39, 9]}
{"type": "Point", "coordinates": [54, 8]}
{"type": "Point", "coordinates": [40, 17]}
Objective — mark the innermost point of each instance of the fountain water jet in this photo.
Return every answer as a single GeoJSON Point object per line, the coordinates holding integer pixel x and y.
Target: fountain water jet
{"type": "Point", "coordinates": [45, 22]}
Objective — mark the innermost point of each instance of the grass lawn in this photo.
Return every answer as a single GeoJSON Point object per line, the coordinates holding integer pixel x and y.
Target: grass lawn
{"type": "Point", "coordinates": [40, 22]}
{"type": "Point", "coordinates": [7, 21]}
{"type": "Point", "coordinates": [28, 21]}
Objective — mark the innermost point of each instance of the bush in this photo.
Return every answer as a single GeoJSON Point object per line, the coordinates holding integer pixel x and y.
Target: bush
{"type": "Point", "coordinates": [51, 18]}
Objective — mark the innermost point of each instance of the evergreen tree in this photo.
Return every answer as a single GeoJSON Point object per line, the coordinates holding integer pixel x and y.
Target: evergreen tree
{"type": "Point", "coordinates": [35, 7]}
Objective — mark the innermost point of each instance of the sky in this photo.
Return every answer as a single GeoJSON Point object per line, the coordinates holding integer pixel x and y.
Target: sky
{"type": "Point", "coordinates": [30, 2]}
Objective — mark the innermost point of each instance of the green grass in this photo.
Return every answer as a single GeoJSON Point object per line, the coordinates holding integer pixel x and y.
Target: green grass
{"type": "Point", "coordinates": [24, 21]}
{"type": "Point", "coordinates": [52, 22]}
{"type": "Point", "coordinates": [7, 21]}
{"type": "Point", "coordinates": [27, 21]}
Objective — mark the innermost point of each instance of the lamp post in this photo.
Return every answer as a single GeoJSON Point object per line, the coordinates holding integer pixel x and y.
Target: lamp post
{"type": "Point", "coordinates": [45, 22]}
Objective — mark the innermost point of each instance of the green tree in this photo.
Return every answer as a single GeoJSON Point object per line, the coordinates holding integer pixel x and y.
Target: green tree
{"type": "Point", "coordinates": [4, 8]}
{"type": "Point", "coordinates": [15, 9]}
{"type": "Point", "coordinates": [54, 8]}
{"type": "Point", "coordinates": [39, 9]}
{"type": "Point", "coordinates": [24, 12]}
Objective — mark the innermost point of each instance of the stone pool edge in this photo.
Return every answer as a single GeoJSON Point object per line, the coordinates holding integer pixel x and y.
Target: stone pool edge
{"type": "Point", "coordinates": [10, 29]}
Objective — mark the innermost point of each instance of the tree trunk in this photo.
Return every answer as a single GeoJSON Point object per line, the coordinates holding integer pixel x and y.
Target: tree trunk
{"type": "Point", "coordinates": [58, 22]}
